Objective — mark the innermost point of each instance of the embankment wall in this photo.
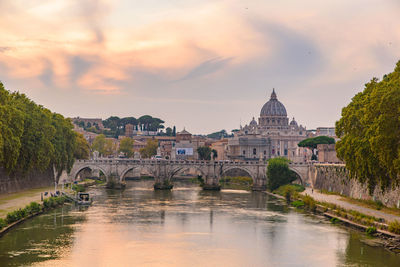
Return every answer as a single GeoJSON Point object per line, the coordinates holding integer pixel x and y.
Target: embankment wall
{"type": "Point", "coordinates": [335, 178]}
{"type": "Point", "coordinates": [19, 181]}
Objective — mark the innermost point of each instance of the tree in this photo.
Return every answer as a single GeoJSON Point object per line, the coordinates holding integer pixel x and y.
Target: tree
{"type": "Point", "coordinates": [204, 153]}
{"type": "Point", "coordinates": [168, 131]}
{"type": "Point", "coordinates": [126, 146]}
{"type": "Point", "coordinates": [32, 137]}
{"type": "Point", "coordinates": [150, 149]}
{"type": "Point", "coordinates": [109, 147]}
{"type": "Point", "coordinates": [278, 173]}
{"type": "Point", "coordinates": [174, 131]}
{"type": "Point", "coordinates": [82, 147]}
{"type": "Point", "coordinates": [312, 143]}
{"type": "Point", "coordinates": [369, 132]}
{"type": "Point", "coordinates": [112, 122]}
{"type": "Point", "coordinates": [99, 144]}
{"type": "Point", "coordinates": [218, 135]}
{"type": "Point", "coordinates": [214, 154]}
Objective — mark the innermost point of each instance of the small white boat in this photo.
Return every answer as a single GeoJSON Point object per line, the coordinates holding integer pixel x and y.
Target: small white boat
{"type": "Point", "coordinates": [83, 199]}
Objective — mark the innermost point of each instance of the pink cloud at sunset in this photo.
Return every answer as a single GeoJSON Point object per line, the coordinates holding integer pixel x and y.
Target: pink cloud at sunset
{"type": "Point", "coordinates": [209, 57]}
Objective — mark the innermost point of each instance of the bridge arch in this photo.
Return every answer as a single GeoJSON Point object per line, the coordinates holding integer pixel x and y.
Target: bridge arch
{"type": "Point", "coordinates": [178, 169]}
{"type": "Point", "coordinates": [89, 166]}
{"type": "Point", "coordinates": [299, 175]}
{"type": "Point", "coordinates": [130, 168]}
{"type": "Point", "coordinates": [225, 170]}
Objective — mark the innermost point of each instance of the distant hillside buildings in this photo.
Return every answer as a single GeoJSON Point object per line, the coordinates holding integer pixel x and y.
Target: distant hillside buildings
{"type": "Point", "coordinates": [271, 136]}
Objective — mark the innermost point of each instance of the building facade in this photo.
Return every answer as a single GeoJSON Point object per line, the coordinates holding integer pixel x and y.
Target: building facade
{"type": "Point", "coordinates": [272, 136]}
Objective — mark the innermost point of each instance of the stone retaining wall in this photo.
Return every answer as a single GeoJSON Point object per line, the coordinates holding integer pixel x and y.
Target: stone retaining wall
{"type": "Point", "coordinates": [336, 179]}
{"type": "Point", "coordinates": [18, 181]}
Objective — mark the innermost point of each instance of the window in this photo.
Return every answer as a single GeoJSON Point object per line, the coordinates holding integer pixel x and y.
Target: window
{"type": "Point", "coordinates": [285, 152]}
{"type": "Point", "coordinates": [244, 152]}
{"type": "Point", "coordinates": [265, 152]}
{"type": "Point", "coordinates": [254, 151]}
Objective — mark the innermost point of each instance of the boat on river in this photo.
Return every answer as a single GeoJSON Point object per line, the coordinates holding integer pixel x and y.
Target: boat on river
{"type": "Point", "coordinates": [83, 199]}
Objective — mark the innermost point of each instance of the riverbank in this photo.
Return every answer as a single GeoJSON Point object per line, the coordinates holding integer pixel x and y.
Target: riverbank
{"type": "Point", "coordinates": [34, 209]}
{"type": "Point", "coordinates": [374, 223]}
{"type": "Point", "coordinates": [339, 201]}
{"type": "Point", "coordinates": [14, 201]}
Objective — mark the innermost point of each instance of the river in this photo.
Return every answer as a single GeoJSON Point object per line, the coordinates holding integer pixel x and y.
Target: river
{"type": "Point", "coordinates": [185, 227]}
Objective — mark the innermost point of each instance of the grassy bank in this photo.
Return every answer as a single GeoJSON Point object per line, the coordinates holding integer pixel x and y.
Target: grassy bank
{"type": "Point", "coordinates": [17, 216]}
{"type": "Point", "coordinates": [306, 202]}
{"type": "Point", "coordinates": [13, 201]}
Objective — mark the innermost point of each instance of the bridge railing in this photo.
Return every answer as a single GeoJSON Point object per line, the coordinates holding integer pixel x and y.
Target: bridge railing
{"type": "Point", "coordinates": [182, 162]}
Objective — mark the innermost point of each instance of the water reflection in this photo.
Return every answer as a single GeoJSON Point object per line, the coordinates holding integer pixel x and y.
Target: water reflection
{"type": "Point", "coordinates": [41, 238]}
{"type": "Point", "coordinates": [186, 226]}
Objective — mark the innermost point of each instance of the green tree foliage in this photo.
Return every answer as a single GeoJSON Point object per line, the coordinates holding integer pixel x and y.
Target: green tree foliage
{"type": "Point", "coordinates": [168, 131]}
{"type": "Point", "coordinates": [110, 147]}
{"type": "Point", "coordinates": [117, 125]}
{"type": "Point", "coordinates": [313, 142]}
{"type": "Point", "coordinates": [204, 152]}
{"type": "Point", "coordinates": [218, 135]}
{"type": "Point", "coordinates": [105, 146]}
{"type": "Point", "coordinates": [370, 132]}
{"type": "Point", "coordinates": [82, 148]}
{"type": "Point", "coordinates": [150, 149]}
{"type": "Point", "coordinates": [214, 154]}
{"type": "Point", "coordinates": [278, 173]}
{"type": "Point", "coordinates": [126, 146]}
{"type": "Point", "coordinates": [99, 144]}
{"type": "Point", "coordinates": [32, 137]}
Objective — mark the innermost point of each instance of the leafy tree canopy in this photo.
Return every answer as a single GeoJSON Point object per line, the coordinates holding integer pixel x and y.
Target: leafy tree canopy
{"type": "Point", "coordinates": [99, 144]}
{"type": "Point", "coordinates": [218, 135]}
{"type": "Point", "coordinates": [32, 137]}
{"type": "Point", "coordinates": [278, 173]}
{"type": "Point", "coordinates": [82, 149]}
{"type": "Point", "coordinates": [370, 132]}
{"type": "Point", "coordinates": [126, 146]}
{"type": "Point", "coordinates": [313, 142]}
{"type": "Point", "coordinates": [204, 152]}
{"type": "Point", "coordinates": [150, 149]}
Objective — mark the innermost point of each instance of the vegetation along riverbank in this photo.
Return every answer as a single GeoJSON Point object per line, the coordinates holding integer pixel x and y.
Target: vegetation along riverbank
{"type": "Point", "coordinates": [33, 209]}
{"type": "Point", "coordinates": [387, 233]}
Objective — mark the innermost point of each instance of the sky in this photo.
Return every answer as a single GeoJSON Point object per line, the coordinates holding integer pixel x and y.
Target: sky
{"type": "Point", "coordinates": [204, 65]}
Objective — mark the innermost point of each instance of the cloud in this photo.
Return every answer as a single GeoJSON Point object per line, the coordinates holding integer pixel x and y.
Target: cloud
{"type": "Point", "coordinates": [5, 48]}
{"type": "Point", "coordinates": [47, 75]}
{"type": "Point", "coordinates": [206, 67]}
{"type": "Point", "coordinates": [294, 53]}
{"type": "Point", "coordinates": [93, 12]}
{"type": "Point", "coordinates": [79, 67]}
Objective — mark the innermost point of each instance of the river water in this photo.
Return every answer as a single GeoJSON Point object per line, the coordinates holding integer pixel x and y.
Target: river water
{"type": "Point", "coordinates": [185, 227]}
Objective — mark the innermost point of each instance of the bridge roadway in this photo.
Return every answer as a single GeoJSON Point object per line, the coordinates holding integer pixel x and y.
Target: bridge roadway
{"type": "Point", "coordinates": [164, 170]}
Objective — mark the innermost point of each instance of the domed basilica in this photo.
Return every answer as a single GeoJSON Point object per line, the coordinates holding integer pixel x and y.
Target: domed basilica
{"type": "Point", "coordinates": [272, 136]}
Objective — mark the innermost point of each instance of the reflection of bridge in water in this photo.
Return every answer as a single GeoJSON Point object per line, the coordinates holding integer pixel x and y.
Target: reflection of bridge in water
{"type": "Point", "coordinates": [164, 170]}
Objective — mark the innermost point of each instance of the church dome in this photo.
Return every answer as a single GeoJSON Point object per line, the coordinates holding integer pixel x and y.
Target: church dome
{"type": "Point", "coordinates": [273, 107]}
{"type": "Point", "coordinates": [293, 122]}
{"type": "Point", "coordinates": [253, 122]}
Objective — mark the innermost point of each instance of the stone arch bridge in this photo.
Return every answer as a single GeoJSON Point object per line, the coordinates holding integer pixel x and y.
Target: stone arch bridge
{"type": "Point", "coordinates": [165, 170]}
